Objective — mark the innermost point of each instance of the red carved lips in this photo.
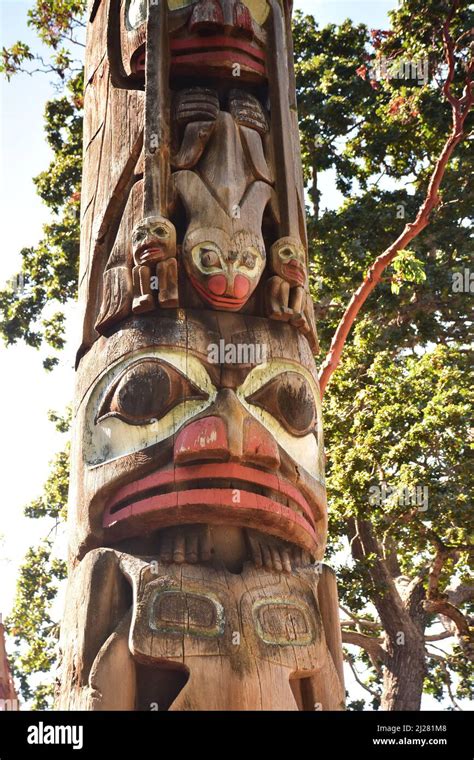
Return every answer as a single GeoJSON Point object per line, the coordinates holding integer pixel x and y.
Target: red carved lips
{"type": "Point", "coordinates": [216, 51]}
{"type": "Point", "coordinates": [149, 253]}
{"type": "Point", "coordinates": [294, 271]}
{"type": "Point", "coordinates": [226, 303]}
{"type": "Point", "coordinates": [234, 493]}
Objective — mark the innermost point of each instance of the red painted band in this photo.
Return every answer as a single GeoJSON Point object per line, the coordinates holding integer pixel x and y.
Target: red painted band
{"type": "Point", "coordinates": [213, 58]}
{"type": "Point", "coordinates": [202, 45]}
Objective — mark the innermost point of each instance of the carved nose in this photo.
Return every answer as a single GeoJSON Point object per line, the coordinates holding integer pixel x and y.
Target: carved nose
{"type": "Point", "coordinates": [236, 286]}
{"type": "Point", "coordinates": [235, 437]}
{"type": "Point", "coordinates": [203, 439]}
{"type": "Point", "coordinates": [216, 15]}
{"type": "Point", "coordinates": [207, 15]}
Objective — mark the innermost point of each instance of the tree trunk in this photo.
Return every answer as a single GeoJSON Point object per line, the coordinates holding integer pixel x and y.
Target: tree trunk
{"type": "Point", "coordinates": [403, 676]}
{"type": "Point", "coordinates": [401, 612]}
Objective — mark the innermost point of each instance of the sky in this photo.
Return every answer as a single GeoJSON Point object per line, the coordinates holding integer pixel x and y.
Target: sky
{"type": "Point", "coordinates": [29, 441]}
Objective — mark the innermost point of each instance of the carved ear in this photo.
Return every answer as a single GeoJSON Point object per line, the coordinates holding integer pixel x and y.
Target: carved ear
{"type": "Point", "coordinates": [117, 297]}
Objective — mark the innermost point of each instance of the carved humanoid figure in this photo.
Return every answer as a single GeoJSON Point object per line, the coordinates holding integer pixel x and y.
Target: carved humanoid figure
{"type": "Point", "coordinates": [154, 255]}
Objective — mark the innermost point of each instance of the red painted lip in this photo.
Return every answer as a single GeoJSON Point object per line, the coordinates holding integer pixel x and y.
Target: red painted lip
{"type": "Point", "coordinates": [216, 42]}
{"type": "Point", "coordinates": [295, 272]}
{"type": "Point", "coordinates": [149, 251]}
{"type": "Point", "coordinates": [222, 302]}
{"type": "Point", "coordinates": [217, 50]}
{"type": "Point", "coordinates": [151, 496]}
{"type": "Point", "coordinates": [211, 51]}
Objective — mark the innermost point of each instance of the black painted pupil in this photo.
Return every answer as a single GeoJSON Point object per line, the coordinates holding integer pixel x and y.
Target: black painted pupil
{"type": "Point", "coordinates": [144, 392]}
{"type": "Point", "coordinates": [296, 404]}
{"type": "Point", "coordinates": [249, 260]}
{"type": "Point", "coordinates": [209, 258]}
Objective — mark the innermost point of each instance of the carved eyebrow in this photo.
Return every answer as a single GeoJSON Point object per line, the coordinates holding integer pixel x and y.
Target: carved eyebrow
{"type": "Point", "coordinates": [271, 371]}
{"type": "Point", "coordinates": [190, 366]}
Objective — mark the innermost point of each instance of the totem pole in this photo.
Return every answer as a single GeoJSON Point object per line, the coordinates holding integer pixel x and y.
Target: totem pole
{"type": "Point", "coordinates": [198, 513]}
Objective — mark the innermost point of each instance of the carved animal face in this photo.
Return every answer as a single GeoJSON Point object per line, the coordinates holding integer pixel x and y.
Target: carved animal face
{"type": "Point", "coordinates": [288, 260]}
{"type": "Point", "coordinates": [224, 270]}
{"type": "Point", "coordinates": [168, 436]}
{"type": "Point", "coordinates": [153, 240]}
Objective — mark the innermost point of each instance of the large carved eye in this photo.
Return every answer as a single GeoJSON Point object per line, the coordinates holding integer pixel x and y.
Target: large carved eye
{"type": "Point", "coordinates": [210, 258]}
{"type": "Point", "coordinates": [249, 259]}
{"type": "Point", "coordinates": [146, 391]}
{"type": "Point", "coordinates": [289, 398]}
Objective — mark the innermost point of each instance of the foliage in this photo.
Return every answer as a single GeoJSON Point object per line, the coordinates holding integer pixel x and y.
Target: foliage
{"type": "Point", "coordinates": [49, 270]}
{"type": "Point", "coordinates": [397, 409]}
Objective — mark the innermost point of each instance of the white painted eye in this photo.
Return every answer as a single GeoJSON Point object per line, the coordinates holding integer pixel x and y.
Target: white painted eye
{"type": "Point", "coordinates": [305, 448]}
{"type": "Point", "coordinates": [207, 257]}
{"type": "Point", "coordinates": [113, 430]}
{"type": "Point", "coordinates": [249, 258]}
{"type": "Point", "coordinates": [287, 253]}
{"type": "Point", "coordinates": [136, 13]}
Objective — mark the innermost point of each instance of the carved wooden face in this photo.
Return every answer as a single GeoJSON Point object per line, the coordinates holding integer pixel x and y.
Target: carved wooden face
{"type": "Point", "coordinates": [169, 437]}
{"type": "Point", "coordinates": [213, 36]}
{"type": "Point", "coordinates": [224, 270]}
{"type": "Point", "coordinates": [288, 260]}
{"type": "Point", "coordinates": [153, 240]}
{"type": "Point", "coordinates": [216, 11]}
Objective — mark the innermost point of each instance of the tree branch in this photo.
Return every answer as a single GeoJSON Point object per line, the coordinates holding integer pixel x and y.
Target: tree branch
{"type": "Point", "coordinates": [371, 644]}
{"type": "Point", "coordinates": [438, 636]}
{"type": "Point", "coordinates": [392, 612]}
{"type": "Point", "coordinates": [443, 607]}
{"type": "Point", "coordinates": [460, 109]}
{"type": "Point", "coordinates": [447, 677]}
{"type": "Point", "coordinates": [357, 678]}
{"type": "Point", "coordinates": [356, 620]}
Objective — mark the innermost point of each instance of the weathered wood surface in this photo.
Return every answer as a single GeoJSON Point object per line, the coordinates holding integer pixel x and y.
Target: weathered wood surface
{"type": "Point", "coordinates": [198, 513]}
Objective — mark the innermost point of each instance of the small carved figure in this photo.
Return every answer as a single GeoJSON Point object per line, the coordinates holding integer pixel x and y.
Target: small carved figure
{"type": "Point", "coordinates": [286, 289]}
{"type": "Point", "coordinates": [287, 295]}
{"type": "Point", "coordinates": [154, 255]}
